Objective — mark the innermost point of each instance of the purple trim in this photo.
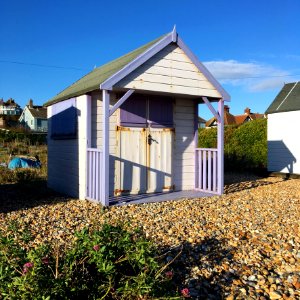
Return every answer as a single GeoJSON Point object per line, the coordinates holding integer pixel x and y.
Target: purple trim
{"type": "Point", "coordinates": [209, 170]}
{"type": "Point", "coordinates": [94, 174]}
{"type": "Point", "coordinates": [221, 148]}
{"type": "Point", "coordinates": [196, 107]}
{"type": "Point", "coordinates": [161, 44]}
{"type": "Point", "coordinates": [214, 171]}
{"type": "Point", "coordinates": [121, 101]}
{"type": "Point", "coordinates": [211, 108]}
{"type": "Point", "coordinates": [174, 35]}
{"type": "Point", "coordinates": [204, 185]}
{"type": "Point", "coordinates": [203, 69]}
{"type": "Point", "coordinates": [105, 146]}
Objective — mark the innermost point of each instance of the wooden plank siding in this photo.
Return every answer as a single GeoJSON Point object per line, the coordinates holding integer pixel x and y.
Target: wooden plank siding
{"type": "Point", "coordinates": [63, 162]}
{"type": "Point", "coordinates": [67, 157]}
{"type": "Point", "coordinates": [97, 134]}
{"type": "Point", "coordinates": [184, 154]}
{"type": "Point", "coordinates": [170, 71]}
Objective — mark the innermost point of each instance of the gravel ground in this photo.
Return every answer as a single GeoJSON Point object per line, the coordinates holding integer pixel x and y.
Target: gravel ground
{"type": "Point", "coordinates": [242, 245]}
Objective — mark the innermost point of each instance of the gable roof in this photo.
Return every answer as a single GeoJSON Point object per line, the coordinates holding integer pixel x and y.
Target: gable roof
{"type": "Point", "coordinates": [109, 74]}
{"type": "Point", "coordinates": [230, 119]}
{"type": "Point", "coordinates": [38, 112]}
{"type": "Point", "coordinates": [288, 99]}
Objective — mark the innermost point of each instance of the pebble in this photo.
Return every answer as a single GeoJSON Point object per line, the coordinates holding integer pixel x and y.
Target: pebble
{"type": "Point", "coordinates": [242, 245]}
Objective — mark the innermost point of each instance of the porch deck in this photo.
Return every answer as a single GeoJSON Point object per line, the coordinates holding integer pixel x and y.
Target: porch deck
{"type": "Point", "coordinates": [156, 197]}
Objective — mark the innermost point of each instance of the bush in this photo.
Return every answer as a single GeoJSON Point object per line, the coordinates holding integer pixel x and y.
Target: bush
{"type": "Point", "coordinates": [245, 147]}
{"type": "Point", "coordinates": [20, 175]}
{"type": "Point", "coordinates": [110, 263]}
{"type": "Point", "coordinates": [248, 146]}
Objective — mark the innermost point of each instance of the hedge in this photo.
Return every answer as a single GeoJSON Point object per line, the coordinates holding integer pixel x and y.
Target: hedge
{"type": "Point", "coordinates": [245, 146]}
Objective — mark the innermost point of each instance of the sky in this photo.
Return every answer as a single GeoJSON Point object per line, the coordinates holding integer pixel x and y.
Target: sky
{"type": "Point", "coordinates": [251, 47]}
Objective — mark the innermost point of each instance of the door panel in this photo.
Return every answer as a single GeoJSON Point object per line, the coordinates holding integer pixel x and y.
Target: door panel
{"type": "Point", "coordinates": [143, 164]}
{"type": "Point", "coordinates": [159, 160]}
{"type": "Point", "coordinates": [130, 163]}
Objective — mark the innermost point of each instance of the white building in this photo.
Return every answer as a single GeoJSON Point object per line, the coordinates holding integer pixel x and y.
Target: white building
{"type": "Point", "coordinates": [283, 131]}
{"type": "Point", "coordinates": [10, 107]}
{"type": "Point", "coordinates": [34, 117]}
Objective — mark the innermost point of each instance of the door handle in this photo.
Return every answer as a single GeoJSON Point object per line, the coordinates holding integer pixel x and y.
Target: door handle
{"type": "Point", "coordinates": [150, 139]}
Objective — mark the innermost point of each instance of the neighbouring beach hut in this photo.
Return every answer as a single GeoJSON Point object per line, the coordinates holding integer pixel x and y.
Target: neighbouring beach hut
{"type": "Point", "coordinates": [283, 126]}
{"type": "Point", "coordinates": [131, 126]}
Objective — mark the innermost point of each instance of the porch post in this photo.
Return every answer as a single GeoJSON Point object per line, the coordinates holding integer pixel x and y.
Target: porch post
{"type": "Point", "coordinates": [105, 146]}
{"type": "Point", "coordinates": [221, 147]}
{"type": "Point", "coordinates": [196, 137]}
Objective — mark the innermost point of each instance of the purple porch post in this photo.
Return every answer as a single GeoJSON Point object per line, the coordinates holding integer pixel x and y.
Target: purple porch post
{"type": "Point", "coordinates": [196, 159]}
{"type": "Point", "coordinates": [105, 146]}
{"type": "Point", "coordinates": [221, 147]}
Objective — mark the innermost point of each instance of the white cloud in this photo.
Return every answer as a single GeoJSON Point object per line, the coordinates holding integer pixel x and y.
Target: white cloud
{"type": "Point", "coordinates": [252, 75]}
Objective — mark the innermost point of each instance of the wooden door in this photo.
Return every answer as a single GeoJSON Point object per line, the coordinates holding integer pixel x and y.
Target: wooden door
{"type": "Point", "coordinates": [144, 160]}
{"type": "Point", "coordinates": [144, 146]}
{"type": "Point", "coordinates": [159, 159]}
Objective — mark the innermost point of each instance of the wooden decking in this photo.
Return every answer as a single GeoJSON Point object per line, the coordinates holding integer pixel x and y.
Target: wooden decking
{"type": "Point", "coordinates": [156, 197]}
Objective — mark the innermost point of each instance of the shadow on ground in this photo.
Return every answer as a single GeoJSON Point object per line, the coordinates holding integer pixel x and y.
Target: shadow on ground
{"type": "Point", "coordinates": [204, 268]}
{"type": "Point", "coordinates": [26, 195]}
{"type": "Point", "coordinates": [237, 182]}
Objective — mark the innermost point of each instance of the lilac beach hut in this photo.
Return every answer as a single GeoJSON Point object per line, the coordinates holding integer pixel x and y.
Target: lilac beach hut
{"type": "Point", "coordinates": [130, 127]}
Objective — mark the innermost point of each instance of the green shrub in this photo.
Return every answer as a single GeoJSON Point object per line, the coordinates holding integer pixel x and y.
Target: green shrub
{"type": "Point", "coordinates": [245, 146]}
{"type": "Point", "coordinates": [107, 264]}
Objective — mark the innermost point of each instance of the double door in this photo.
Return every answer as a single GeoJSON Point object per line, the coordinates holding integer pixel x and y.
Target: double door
{"type": "Point", "coordinates": [144, 160]}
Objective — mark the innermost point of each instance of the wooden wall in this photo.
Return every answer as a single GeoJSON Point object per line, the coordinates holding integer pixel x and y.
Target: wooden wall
{"type": "Point", "coordinates": [184, 153]}
{"type": "Point", "coordinates": [170, 71]}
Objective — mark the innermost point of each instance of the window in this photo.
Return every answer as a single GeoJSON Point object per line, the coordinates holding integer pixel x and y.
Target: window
{"type": "Point", "coordinates": [143, 111]}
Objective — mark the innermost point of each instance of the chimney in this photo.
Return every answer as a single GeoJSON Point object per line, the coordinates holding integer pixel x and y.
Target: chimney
{"type": "Point", "coordinates": [247, 111]}
{"type": "Point", "coordinates": [226, 108]}
{"type": "Point", "coordinates": [30, 103]}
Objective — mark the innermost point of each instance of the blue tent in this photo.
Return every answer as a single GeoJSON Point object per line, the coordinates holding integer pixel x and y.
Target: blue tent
{"type": "Point", "coordinates": [22, 162]}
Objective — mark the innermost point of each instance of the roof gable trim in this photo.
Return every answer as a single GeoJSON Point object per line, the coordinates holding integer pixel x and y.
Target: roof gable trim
{"type": "Point", "coordinates": [138, 61]}
{"type": "Point", "coordinates": [172, 37]}
{"type": "Point", "coordinates": [203, 69]}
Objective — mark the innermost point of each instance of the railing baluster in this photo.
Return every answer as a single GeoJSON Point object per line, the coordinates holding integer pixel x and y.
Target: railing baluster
{"type": "Point", "coordinates": [94, 165]}
{"type": "Point", "coordinates": [207, 169]}
{"type": "Point", "coordinates": [204, 171]}
{"type": "Point", "coordinates": [200, 170]}
{"type": "Point", "coordinates": [214, 171]}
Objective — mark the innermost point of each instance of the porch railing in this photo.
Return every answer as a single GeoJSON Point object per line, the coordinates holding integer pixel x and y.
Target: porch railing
{"type": "Point", "coordinates": [94, 174]}
{"type": "Point", "coordinates": [206, 168]}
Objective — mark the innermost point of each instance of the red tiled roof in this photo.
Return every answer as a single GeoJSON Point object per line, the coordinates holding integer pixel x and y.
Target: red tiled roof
{"type": "Point", "coordinates": [230, 119]}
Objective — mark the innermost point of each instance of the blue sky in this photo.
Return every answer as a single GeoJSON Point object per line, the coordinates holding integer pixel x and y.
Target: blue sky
{"type": "Point", "coordinates": [251, 47]}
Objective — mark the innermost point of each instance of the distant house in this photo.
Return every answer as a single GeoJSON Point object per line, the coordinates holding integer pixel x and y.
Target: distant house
{"type": "Point", "coordinates": [34, 117]}
{"type": "Point", "coordinates": [230, 119]}
{"type": "Point", "coordinates": [283, 126]}
{"type": "Point", "coordinates": [10, 107]}
{"type": "Point", "coordinates": [201, 122]}
{"type": "Point", "coordinates": [10, 112]}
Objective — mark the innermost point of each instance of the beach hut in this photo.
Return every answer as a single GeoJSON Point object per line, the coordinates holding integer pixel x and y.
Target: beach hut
{"type": "Point", "coordinates": [283, 126]}
{"type": "Point", "coordinates": [130, 127]}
